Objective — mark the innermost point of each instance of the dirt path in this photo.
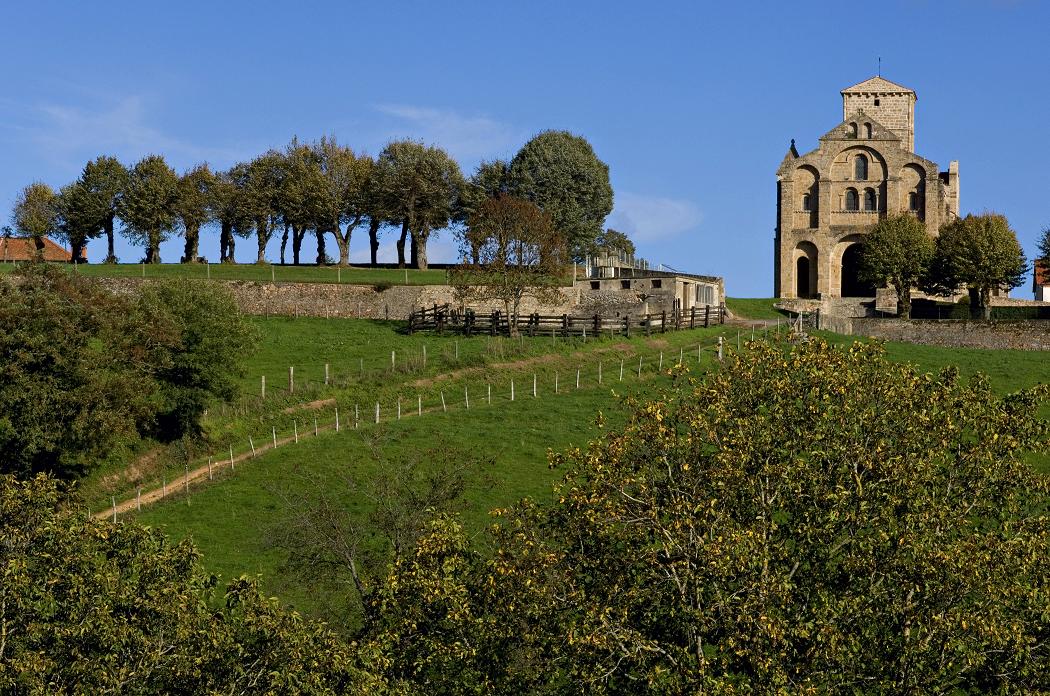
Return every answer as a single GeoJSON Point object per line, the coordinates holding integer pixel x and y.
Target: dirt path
{"type": "Point", "coordinates": [206, 471]}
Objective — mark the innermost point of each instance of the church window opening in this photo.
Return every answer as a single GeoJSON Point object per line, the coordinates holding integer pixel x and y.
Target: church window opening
{"type": "Point", "coordinates": [867, 130]}
{"type": "Point", "coordinates": [851, 199]}
{"type": "Point", "coordinates": [869, 199]}
{"type": "Point", "coordinates": [876, 102]}
{"type": "Point", "coordinates": [913, 201]}
{"type": "Point", "coordinates": [860, 168]}
{"type": "Point", "coordinates": [805, 202]}
{"type": "Point", "coordinates": [853, 130]}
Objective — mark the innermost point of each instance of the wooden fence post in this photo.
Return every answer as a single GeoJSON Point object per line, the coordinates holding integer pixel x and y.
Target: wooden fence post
{"type": "Point", "coordinates": [419, 405]}
{"type": "Point", "coordinates": [720, 349]}
{"type": "Point", "coordinates": [443, 407]}
{"type": "Point", "coordinates": [291, 379]}
{"type": "Point", "coordinates": [692, 317]}
{"type": "Point", "coordinates": [663, 322]}
{"type": "Point", "coordinates": [621, 369]}
{"type": "Point", "coordinates": [264, 386]}
{"type": "Point", "coordinates": [707, 316]}
{"type": "Point", "coordinates": [337, 419]}
{"type": "Point", "coordinates": [326, 374]}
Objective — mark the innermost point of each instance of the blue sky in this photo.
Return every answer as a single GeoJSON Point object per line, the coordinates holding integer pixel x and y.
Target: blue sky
{"type": "Point", "coordinates": [691, 104]}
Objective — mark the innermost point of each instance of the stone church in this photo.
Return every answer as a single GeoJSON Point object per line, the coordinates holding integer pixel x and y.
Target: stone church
{"type": "Point", "coordinates": [863, 170]}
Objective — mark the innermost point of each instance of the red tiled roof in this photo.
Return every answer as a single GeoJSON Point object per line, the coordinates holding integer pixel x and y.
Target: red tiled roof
{"type": "Point", "coordinates": [1041, 273]}
{"type": "Point", "coordinates": [23, 249]}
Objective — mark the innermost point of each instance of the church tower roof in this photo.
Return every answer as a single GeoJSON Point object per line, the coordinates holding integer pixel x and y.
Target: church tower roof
{"type": "Point", "coordinates": [877, 85]}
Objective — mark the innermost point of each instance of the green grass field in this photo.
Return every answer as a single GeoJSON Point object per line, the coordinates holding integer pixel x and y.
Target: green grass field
{"type": "Point", "coordinates": [232, 518]}
{"type": "Point", "coordinates": [754, 308]}
{"type": "Point", "coordinates": [353, 275]}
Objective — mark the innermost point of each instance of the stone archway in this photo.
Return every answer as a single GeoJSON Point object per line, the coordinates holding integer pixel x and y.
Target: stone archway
{"type": "Point", "coordinates": [806, 270]}
{"type": "Point", "coordinates": [851, 285]}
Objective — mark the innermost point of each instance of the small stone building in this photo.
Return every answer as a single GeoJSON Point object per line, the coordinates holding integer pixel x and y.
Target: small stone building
{"type": "Point", "coordinates": [862, 170]}
{"type": "Point", "coordinates": [649, 290]}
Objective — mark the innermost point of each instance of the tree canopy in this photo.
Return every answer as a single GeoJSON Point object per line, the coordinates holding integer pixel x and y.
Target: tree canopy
{"type": "Point", "coordinates": [85, 370]}
{"type": "Point", "coordinates": [980, 253]}
{"type": "Point", "coordinates": [36, 213]}
{"type": "Point", "coordinates": [148, 204]}
{"type": "Point", "coordinates": [559, 172]}
{"type": "Point", "coordinates": [100, 608]}
{"type": "Point", "coordinates": [789, 523]}
{"type": "Point", "coordinates": [510, 250]}
{"type": "Point", "coordinates": [421, 186]}
{"type": "Point", "coordinates": [897, 253]}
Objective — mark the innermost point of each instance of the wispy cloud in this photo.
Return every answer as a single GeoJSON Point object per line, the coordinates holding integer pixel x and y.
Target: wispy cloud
{"type": "Point", "coordinates": [66, 135]}
{"type": "Point", "coordinates": [647, 219]}
{"type": "Point", "coordinates": [468, 138]}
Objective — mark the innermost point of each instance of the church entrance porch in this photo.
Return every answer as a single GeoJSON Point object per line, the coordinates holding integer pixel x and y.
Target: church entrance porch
{"type": "Point", "coordinates": [851, 285]}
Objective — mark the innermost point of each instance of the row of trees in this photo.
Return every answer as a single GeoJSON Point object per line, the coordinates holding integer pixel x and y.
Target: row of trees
{"type": "Point", "coordinates": [321, 188]}
{"type": "Point", "coordinates": [977, 253]}
{"type": "Point", "coordinates": [708, 546]}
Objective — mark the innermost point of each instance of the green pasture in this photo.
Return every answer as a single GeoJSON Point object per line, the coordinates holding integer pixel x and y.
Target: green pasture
{"type": "Point", "coordinates": [232, 518]}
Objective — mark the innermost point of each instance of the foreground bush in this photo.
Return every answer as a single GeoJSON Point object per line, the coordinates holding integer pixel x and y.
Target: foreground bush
{"type": "Point", "coordinates": [89, 607]}
{"type": "Point", "coordinates": [817, 521]}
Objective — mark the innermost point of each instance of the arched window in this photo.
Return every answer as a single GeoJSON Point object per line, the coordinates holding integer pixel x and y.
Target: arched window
{"type": "Point", "coordinates": [806, 202]}
{"type": "Point", "coordinates": [867, 130]}
{"type": "Point", "coordinates": [852, 130]}
{"type": "Point", "coordinates": [913, 201]}
{"type": "Point", "coordinates": [860, 168]}
{"type": "Point", "coordinates": [851, 199]}
{"type": "Point", "coordinates": [869, 199]}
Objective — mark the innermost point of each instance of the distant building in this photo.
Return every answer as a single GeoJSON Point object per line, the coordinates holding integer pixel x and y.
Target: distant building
{"type": "Point", "coordinates": [14, 249]}
{"type": "Point", "coordinates": [1041, 281]}
{"type": "Point", "coordinates": [864, 169]}
{"type": "Point", "coordinates": [661, 287]}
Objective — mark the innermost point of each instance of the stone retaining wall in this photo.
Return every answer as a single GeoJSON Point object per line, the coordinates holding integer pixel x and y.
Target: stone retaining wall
{"type": "Point", "coordinates": [397, 301]}
{"type": "Point", "coordinates": [1019, 335]}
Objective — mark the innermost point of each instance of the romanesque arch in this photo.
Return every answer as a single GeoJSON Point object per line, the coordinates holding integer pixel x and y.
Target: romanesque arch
{"type": "Point", "coordinates": [847, 264]}
{"type": "Point", "coordinates": [807, 194]}
{"type": "Point", "coordinates": [913, 189]}
{"type": "Point", "coordinates": [806, 269]}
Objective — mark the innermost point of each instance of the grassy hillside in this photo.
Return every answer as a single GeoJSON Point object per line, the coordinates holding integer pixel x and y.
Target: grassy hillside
{"type": "Point", "coordinates": [232, 518]}
{"type": "Point", "coordinates": [261, 273]}
{"type": "Point", "coordinates": [754, 308]}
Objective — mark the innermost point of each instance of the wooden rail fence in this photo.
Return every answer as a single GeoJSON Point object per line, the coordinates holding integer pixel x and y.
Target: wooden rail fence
{"type": "Point", "coordinates": [441, 318]}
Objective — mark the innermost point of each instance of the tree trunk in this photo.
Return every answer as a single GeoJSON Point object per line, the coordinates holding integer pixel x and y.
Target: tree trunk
{"type": "Point", "coordinates": [153, 248]}
{"type": "Point", "coordinates": [373, 240]}
{"type": "Point", "coordinates": [231, 246]}
{"type": "Point", "coordinates": [419, 251]}
{"type": "Point", "coordinates": [76, 250]}
{"type": "Point", "coordinates": [986, 303]}
{"type": "Point", "coordinates": [414, 256]}
{"type": "Point", "coordinates": [262, 236]}
{"type": "Point", "coordinates": [401, 245]}
{"type": "Point", "coordinates": [322, 257]}
{"type": "Point", "coordinates": [111, 257]}
{"type": "Point", "coordinates": [284, 242]}
{"type": "Point", "coordinates": [343, 242]}
{"type": "Point", "coordinates": [297, 243]}
{"type": "Point", "coordinates": [903, 302]}
{"type": "Point", "coordinates": [224, 241]}
{"type": "Point", "coordinates": [190, 252]}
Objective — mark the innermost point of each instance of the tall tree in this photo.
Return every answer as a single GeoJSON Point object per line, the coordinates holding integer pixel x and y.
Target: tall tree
{"type": "Point", "coordinates": [259, 197]}
{"type": "Point", "coordinates": [980, 253]}
{"type": "Point", "coordinates": [897, 253]}
{"type": "Point", "coordinates": [421, 187]}
{"type": "Point", "coordinates": [303, 186]}
{"type": "Point", "coordinates": [374, 207]}
{"type": "Point", "coordinates": [559, 172]}
{"type": "Point", "coordinates": [518, 254]}
{"type": "Point", "coordinates": [105, 180]}
{"type": "Point", "coordinates": [76, 223]}
{"type": "Point", "coordinates": [225, 202]}
{"type": "Point", "coordinates": [490, 179]}
{"type": "Point", "coordinates": [193, 207]}
{"type": "Point", "coordinates": [346, 196]}
{"type": "Point", "coordinates": [148, 206]}
{"type": "Point", "coordinates": [36, 214]}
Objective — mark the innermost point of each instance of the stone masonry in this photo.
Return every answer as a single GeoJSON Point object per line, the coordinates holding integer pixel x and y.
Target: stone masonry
{"type": "Point", "coordinates": [862, 170]}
